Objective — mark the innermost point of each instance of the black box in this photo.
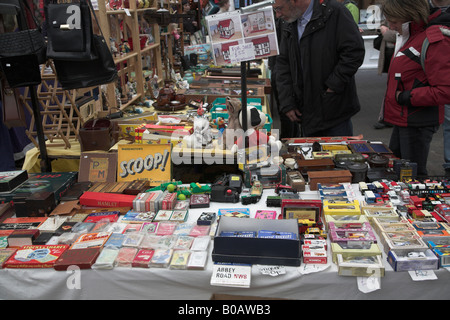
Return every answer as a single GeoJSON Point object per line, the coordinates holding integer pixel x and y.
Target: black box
{"type": "Point", "coordinates": [256, 250]}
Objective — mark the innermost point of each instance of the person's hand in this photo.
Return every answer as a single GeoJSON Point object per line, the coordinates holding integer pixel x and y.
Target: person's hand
{"type": "Point", "coordinates": [383, 29]}
{"type": "Point", "coordinates": [294, 115]}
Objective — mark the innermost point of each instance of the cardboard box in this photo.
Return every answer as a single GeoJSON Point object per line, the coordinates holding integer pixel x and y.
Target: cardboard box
{"type": "Point", "coordinates": [410, 260]}
{"type": "Point", "coordinates": [354, 250]}
{"type": "Point", "coordinates": [392, 241]}
{"type": "Point", "coordinates": [328, 176]}
{"type": "Point", "coordinates": [366, 266]}
{"type": "Point", "coordinates": [332, 207]}
{"type": "Point", "coordinates": [341, 220]}
{"type": "Point", "coordinates": [256, 250]}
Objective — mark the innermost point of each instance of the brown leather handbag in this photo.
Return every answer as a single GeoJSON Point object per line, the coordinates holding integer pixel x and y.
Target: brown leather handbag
{"type": "Point", "coordinates": [96, 134]}
{"type": "Point", "coordinates": [12, 108]}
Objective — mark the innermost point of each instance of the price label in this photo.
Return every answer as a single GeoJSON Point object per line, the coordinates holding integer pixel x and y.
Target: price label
{"type": "Point", "coordinates": [242, 52]}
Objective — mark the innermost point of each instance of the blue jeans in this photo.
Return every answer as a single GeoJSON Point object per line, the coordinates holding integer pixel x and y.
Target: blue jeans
{"type": "Point", "coordinates": [446, 129]}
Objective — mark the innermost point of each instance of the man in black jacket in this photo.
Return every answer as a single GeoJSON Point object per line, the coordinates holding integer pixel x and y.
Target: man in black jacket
{"type": "Point", "coordinates": [321, 49]}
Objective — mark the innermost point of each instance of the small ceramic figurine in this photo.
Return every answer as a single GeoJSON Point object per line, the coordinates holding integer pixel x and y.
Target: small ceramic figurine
{"type": "Point", "coordinates": [202, 136]}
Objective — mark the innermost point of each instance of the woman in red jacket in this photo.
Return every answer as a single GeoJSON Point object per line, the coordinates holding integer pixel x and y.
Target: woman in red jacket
{"type": "Point", "coordinates": [415, 96]}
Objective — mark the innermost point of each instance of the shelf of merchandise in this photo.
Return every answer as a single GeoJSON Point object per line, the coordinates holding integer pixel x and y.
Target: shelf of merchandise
{"type": "Point", "coordinates": [122, 25]}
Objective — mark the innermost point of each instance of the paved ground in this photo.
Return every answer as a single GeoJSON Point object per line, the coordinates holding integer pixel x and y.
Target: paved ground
{"type": "Point", "coordinates": [371, 88]}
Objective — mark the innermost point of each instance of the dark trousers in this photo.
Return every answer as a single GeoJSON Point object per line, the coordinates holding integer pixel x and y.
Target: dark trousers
{"type": "Point", "coordinates": [343, 129]}
{"type": "Point", "coordinates": [413, 144]}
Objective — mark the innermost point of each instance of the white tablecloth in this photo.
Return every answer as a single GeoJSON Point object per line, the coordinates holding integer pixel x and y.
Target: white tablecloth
{"type": "Point", "coordinates": [153, 283]}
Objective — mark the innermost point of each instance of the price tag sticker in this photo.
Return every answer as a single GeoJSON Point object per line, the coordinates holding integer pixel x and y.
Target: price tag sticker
{"type": "Point", "coordinates": [242, 52]}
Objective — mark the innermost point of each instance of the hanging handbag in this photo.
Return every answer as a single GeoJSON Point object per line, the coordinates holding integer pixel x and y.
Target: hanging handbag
{"type": "Point", "coordinates": [69, 31]}
{"type": "Point", "coordinates": [90, 73]}
{"type": "Point", "coordinates": [13, 111]}
{"type": "Point", "coordinates": [377, 42]}
{"type": "Point", "coordinates": [24, 42]}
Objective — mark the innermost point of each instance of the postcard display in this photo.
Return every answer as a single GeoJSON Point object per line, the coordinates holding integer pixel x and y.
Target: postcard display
{"type": "Point", "coordinates": [237, 37]}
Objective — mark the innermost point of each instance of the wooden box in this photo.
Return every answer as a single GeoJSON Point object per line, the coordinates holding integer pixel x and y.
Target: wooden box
{"type": "Point", "coordinates": [328, 177]}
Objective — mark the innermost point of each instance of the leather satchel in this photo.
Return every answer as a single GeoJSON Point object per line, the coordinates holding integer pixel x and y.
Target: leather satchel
{"type": "Point", "coordinates": [69, 31]}
{"type": "Point", "coordinates": [13, 112]}
{"type": "Point", "coordinates": [96, 134]}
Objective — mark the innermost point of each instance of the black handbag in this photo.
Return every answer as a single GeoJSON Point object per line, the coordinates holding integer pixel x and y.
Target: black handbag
{"type": "Point", "coordinates": [377, 42]}
{"type": "Point", "coordinates": [69, 31]}
{"type": "Point", "coordinates": [90, 73]}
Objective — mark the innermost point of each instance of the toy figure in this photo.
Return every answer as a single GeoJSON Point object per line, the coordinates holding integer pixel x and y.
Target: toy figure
{"type": "Point", "coordinates": [256, 137]}
{"type": "Point", "coordinates": [202, 136]}
{"type": "Point", "coordinates": [230, 134]}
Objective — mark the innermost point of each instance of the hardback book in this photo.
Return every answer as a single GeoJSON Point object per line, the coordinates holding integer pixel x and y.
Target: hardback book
{"type": "Point", "coordinates": [91, 240]}
{"type": "Point", "coordinates": [231, 275]}
{"type": "Point", "coordinates": [5, 254]}
{"type": "Point", "coordinates": [142, 258]}
{"type": "Point", "coordinates": [82, 258]}
{"type": "Point", "coordinates": [36, 256]}
{"type": "Point", "coordinates": [20, 238]}
{"type": "Point", "coordinates": [98, 166]}
{"type": "Point", "coordinates": [11, 179]}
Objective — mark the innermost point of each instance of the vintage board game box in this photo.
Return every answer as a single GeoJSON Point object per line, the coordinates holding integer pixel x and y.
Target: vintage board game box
{"type": "Point", "coordinates": [151, 162]}
{"type": "Point", "coordinates": [36, 256]}
{"type": "Point", "coordinates": [83, 258]}
{"type": "Point", "coordinates": [100, 199]}
{"type": "Point", "coordinates": [11, 179]}
{"type": "Point", "coordinates": [55, 182]}
{"type": "Point", "coordinates": [98, 167]}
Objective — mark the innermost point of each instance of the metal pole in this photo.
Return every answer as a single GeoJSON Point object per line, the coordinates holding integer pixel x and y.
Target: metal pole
{"type": "Point", "coordinates": [46, 165]}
